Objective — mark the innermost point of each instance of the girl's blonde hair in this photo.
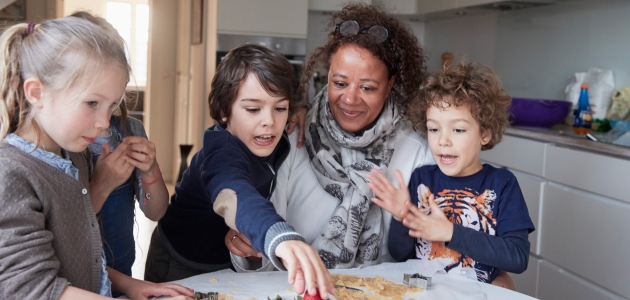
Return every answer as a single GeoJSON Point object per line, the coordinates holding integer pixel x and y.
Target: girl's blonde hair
{"type": "Point", "coordinates": [67, 55]}
{"type": "Point", "coordinates": [109, 29]}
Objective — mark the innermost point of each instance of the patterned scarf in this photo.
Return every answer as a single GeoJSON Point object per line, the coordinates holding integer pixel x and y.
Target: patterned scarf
{"type": "Point", "coordinates": [340, 161]}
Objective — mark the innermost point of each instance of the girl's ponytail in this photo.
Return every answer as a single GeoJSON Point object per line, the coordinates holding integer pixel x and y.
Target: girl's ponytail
{"type": "Point", "coordinates": [14, 108]}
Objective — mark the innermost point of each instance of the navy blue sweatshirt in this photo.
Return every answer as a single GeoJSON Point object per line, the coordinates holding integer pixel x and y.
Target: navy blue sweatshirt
{"type": "Point", "coordinates": [490, 217]}
{"type": "Point", "coordinates": [224, 169]}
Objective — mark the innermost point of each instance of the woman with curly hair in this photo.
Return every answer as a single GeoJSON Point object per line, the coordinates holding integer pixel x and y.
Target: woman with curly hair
{"type": "Point", "coordinates": [357, 123]}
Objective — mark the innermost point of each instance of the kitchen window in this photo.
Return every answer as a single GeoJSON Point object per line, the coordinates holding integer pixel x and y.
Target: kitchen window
{"type": "Point", "coordinates": [131, 19]}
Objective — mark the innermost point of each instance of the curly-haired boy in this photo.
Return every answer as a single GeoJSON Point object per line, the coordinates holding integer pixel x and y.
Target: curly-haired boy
{"type": "Point", "coordinates": [460, 211]}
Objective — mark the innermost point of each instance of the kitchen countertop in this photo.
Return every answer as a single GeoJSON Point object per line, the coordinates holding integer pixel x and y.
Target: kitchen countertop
{"type": "Point", "coordinates": [563, 135]}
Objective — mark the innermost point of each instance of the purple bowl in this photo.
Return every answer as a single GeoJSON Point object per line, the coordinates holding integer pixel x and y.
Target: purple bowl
{"type": "Point", "coordinates": [538, 112]}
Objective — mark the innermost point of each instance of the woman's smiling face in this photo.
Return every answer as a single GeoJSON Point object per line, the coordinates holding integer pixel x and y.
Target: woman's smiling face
{"type": "Point", "coordinates": [357, 87]}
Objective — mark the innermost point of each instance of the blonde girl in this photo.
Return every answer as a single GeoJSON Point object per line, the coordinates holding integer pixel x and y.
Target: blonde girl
{"type": "Point", "coordinates": [59, 83]}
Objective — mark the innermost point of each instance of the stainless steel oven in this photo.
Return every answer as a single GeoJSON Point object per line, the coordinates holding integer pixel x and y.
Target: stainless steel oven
{"type": "Point", "coordinates": [293, 49]}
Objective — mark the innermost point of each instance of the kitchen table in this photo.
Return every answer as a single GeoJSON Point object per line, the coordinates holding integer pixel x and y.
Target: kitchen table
{"type": "Point", "coordinates": [269, 284]}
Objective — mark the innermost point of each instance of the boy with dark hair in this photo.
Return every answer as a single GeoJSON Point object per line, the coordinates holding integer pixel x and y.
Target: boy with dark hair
{"type": "Point", "coordinates": [462, 212]}
{"type": "Point", "coordinates": [231, 177]}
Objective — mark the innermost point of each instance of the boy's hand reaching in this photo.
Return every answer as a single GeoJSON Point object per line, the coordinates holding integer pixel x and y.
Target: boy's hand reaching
{"type": "Point", "coordinates": [387, 196]}
{"type": "Point", "coordinates": [434, 227]}
{"type": "Point", "coordinates": [306, 270]}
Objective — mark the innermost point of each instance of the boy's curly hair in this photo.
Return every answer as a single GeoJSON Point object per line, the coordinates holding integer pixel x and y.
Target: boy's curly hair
{"type": "Point", "coordinates": [401, 52]}
{"type": "Point", "coordinates": [470, 85]}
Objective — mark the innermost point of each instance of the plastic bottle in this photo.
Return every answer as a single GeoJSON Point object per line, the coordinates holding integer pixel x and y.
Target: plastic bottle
{"type": "Point", "coordinates": [582, 115]}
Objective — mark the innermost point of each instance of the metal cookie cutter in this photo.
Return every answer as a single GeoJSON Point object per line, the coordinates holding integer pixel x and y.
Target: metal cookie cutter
{"type": "Point", "coordinates": [206, 296]}
{"type": "Point", "coordinates": [417, 281]}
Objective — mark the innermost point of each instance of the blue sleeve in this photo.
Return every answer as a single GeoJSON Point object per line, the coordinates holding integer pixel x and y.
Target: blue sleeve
{"type": "Point", "coordinates": [508, 252]}
{"type": "Point", "coordinates": [229, 169]}
{"type": "Point", "coordinates": [512, 213]}
{"type": "Point", "coordinates": [509, 249]}
{"type": "Point", "coordinates": [401, 245]}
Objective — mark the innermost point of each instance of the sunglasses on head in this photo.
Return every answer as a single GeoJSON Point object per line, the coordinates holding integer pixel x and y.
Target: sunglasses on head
{"type": "Point", "coordinates": [351, 27]}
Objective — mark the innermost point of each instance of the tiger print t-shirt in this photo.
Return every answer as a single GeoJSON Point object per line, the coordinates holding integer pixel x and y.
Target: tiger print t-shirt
{"type": "Point", "coordinates": [489, 201]}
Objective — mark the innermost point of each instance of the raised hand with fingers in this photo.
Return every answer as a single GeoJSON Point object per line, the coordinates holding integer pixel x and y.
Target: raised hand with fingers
{"type": "Point", "coordinates": [306, 269]}
{"type": "Point", "coordinates": [433, 227]}
{"type": "Point", "coordinates": [389, 197]}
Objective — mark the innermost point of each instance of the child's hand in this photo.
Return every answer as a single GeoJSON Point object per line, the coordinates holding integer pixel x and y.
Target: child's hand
{"type": "Point", "coordinates": [434, 227]}
{"type": "Point", "coordinates": [111, 169]}
{"type": "Point", "coordinates": [141, 154]}
{"type": "Point", "coordinates": [305, 267]}
{"type": "Point", "coordinates": [298, 119]}
{"type": "Point", "coordinates": [387, 196]}
{"type": "Point", "coordinates": [239, 245]}
{"type": "Point", "coordinates": [143, 290]}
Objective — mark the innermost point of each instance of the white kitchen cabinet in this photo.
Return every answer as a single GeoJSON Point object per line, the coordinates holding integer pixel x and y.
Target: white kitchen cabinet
{"type": "Point", "coordinates": [330, 5]}
{"type": "Point", "coordinates": [527, 282]}
{"type": "Point", "coordinates": [587, 234]}
{"type": "Point", "coordinates": [519, 154]}
{"type": "Point", "coordinates": [401, 7]}
{"type": "Point", "coordinates": [579, 202]}
{"type": "Point", "coordinates": [435, 6]}
{"type": "Point", "coordinates": [277, 18]}
{"type": "Point", "coordinates": [604, 175]}
{"type": "Point", "coordinates": [555, 283]}
{"type": "Point", "coordinates": [432, 6]}
{"type": "Point", "coordinates": [532, 188]}
{"type": "Point", "coordinates": [466, 3]}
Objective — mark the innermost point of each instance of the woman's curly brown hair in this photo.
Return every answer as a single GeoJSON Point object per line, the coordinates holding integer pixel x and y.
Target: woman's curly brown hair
{"type": "Point", "coordinates": [469, 85]}
{"type": "Point", "coordinates": [401, 52]}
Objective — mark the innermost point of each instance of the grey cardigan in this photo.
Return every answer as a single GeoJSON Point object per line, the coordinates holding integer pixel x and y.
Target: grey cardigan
{"type": "Point", "coordinates": [49, 235]}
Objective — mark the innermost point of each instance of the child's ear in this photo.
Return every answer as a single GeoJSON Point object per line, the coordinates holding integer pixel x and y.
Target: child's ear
{"type": "Point", "coordinates": [33, 91]}
{"type": "Point", "coordinates": [486, 135]}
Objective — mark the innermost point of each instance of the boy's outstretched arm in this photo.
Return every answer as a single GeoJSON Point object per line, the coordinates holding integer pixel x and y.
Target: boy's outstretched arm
{"type": "Point", "coordinates": [388, 197]}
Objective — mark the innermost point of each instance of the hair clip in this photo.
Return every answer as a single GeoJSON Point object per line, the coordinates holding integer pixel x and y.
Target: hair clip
{"type": "Point", "coordinates": [30, 27]}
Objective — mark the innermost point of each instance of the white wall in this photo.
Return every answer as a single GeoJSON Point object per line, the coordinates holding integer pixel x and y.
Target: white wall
{"type": "Point", "coordinates": [536, 50]}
